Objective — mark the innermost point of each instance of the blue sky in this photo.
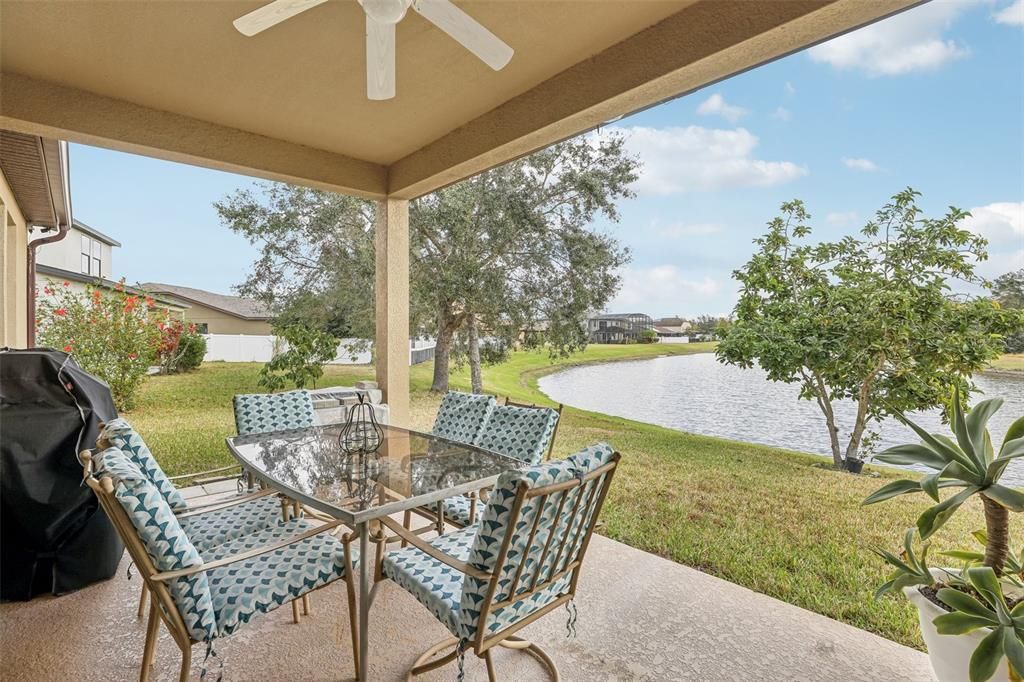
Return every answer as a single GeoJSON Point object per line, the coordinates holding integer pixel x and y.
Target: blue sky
{"type": "Point", "coordinates": [932, 98]}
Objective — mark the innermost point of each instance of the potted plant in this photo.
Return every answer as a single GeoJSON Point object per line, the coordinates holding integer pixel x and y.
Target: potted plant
{"type": "Point", "coordinates": [972, 619]}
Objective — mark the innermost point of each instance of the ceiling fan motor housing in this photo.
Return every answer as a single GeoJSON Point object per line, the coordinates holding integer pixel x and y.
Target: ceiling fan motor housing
{"type": "Point", "coordinates": [386, 11]}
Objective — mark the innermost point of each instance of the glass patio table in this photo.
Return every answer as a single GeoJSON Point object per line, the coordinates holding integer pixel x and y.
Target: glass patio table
{"type": "Point", "coordinates": [409, 470]}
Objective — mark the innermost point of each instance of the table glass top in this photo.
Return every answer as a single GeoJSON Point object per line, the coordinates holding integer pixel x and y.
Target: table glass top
{"type": "Point", "coordinates": [408, 470]}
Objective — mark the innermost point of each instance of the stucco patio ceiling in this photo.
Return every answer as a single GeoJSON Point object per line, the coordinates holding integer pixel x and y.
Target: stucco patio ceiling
{"type": "Point", "coordinates": [175, 80]}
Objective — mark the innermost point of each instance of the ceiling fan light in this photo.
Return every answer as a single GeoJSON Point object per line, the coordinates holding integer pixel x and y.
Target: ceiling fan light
{"type": "Point", "coordinates": [386, 11]}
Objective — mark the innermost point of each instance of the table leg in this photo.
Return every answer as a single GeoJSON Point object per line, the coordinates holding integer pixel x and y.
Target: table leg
{"type": "Point", "coordinates": [364, 598]}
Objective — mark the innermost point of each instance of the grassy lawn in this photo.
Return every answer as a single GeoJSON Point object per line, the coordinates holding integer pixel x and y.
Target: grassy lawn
{"type": "Point", "coordinates": [1010, 361]}
{"type": "Point", "coordinates": [778, 522]}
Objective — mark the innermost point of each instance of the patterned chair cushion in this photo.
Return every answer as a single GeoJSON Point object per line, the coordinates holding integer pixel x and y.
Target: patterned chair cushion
{"type": "Point", "coordinates": [121, 434]}
{"type": "Point", "coordinates": [162, 536]}
{"type": "Point", "coordinates": [208, 529]}
{"type": "Point", "coordinates": [462, 415]}
{"type": "Point", "coordinates": [266, 412]}
{"type": "Point", "coordinates": [457, 509]}
{"type": "Point", "coordinates": [264, 582]}
{"type": "Point", "coordinates": [521, 432]}
{"type": "Point", "coordinates": [436, 585]}
{"type": "Point", "coordinates": [560, 516]}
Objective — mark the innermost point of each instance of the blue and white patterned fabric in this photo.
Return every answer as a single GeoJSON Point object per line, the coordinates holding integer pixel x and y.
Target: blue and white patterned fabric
{"type": "Point", "coordinates": [436, 585]}
{"type": "Point", "coordinates": [266, 412]}
{"type": "Point", "coordinates": [461, 416]}
{"type": "Point", "coordinates": [457, 509]}
{"type": "Point", "coordinates": [521, 432]}
{"type": "Point", "coordinates": [258, 585]}
{"type": "Point", "coordinates": [208, 529]}
{"type": "Point", "coordinates": [457, 599]}
{"type": "Point", "coordinates": [162, 536]}
{"type": "Point", "coordinates": [120, 434]}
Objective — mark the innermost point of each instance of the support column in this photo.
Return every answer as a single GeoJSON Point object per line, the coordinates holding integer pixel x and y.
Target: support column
{"type": "Point", "coordinates": [392, 306]}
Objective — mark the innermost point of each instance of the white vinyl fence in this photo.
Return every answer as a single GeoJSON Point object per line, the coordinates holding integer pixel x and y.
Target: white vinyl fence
{"type": "Point", "coordinates": [252, 348]}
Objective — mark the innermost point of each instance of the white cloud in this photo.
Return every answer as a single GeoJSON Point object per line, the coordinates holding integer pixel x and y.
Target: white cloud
{"type": "Point", "coordinates": [782, 114]}
{"type": "Point", "coordinates": [841, 219]}
{"type": "Point", "coordinates": [789, 89]}
{"type": "Point", "coordinates": [702, 159]}
{"type": "Point", "coordinates": [660, 287]}
{"type": "Point", "coordinates": [914, 40]}
{"type": "Point", "coordinates": [1011, 14]}
{"type": "Point", "coordinates": [689, 230]}
{"type": "Point", "coordinates": [1002, 224]}
{"type": "Point", "coordinates": [865, 165]}
{"type": "Point", "coordinates": [716, 105]}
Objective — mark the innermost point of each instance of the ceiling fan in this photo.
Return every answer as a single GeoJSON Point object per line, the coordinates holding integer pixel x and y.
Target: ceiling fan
{"type": "Point", "coordinates": [381, 18]}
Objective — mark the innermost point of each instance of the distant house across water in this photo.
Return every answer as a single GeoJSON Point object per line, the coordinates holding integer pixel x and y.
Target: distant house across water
{"type": "Point", "coordinates": [618, 327]}
{"type": "Point", "coordinates": [672, 327]}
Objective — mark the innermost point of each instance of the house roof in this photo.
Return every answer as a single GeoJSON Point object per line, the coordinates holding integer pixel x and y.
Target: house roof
{"type": "Point", "coordinates": [244, 308]}
{"type": "Point", "coordinates": [290, 103]}
{"type": "Point", "coordinates": [94, 233]}
{"type": "Point", "coordinates": [36, 169]}
{"type": "Point", "coordinates": [70, 275]}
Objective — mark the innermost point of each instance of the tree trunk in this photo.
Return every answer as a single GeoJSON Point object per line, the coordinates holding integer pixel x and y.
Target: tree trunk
{"type": "Point", "coordinates": [997, 526]}
{"type": "Point", "coordinates": [442, 354]}
{"type": "Point", "coordinates": [475, 378]}
{"type": "Point", "coordinates": [863, 395]}
{"type": "Point", "coordinates": [830, 420]}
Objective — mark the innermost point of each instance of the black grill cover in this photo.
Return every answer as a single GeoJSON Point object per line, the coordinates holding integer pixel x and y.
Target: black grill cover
{"type": "Point", "coordinates": [53, 535]}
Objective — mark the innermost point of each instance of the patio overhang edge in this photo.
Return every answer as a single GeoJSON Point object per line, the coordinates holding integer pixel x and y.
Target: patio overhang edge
{"type": "Point", "coordinates": [37, 107]}
{"type": "Point", "coordinates": [658, 64]}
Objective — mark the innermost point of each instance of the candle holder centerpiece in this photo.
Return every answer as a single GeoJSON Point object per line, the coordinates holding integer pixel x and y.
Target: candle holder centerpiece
{"type": "Point", "coordinates": [359, 441]}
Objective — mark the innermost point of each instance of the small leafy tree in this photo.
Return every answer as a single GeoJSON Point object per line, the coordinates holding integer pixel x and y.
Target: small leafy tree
{"type": "Point", "coordinates": [869, 319]}
{"type": "Point", "coordinates": [301, 363]}
{"type": "Point", "coordinates": [1008, 291]}
{"type": "Point", "coordinates": [181, 347]}
{"type": "Point", "coordinates": [978, 598]}
{"type": "Point", "coordinates": [113, 335]}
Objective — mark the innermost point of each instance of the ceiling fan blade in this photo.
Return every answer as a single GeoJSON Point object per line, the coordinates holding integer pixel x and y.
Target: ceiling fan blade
{"type": "Point", "coordinates": [466, 30]}
{"type": "Point", "coordinates": [270, 15]}
{"type": "Point", "coordinates": [380, 59]}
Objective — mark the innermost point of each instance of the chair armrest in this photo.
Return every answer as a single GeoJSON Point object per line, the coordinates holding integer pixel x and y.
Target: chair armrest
{"type": "Point", "coordinates": [180, 573]}
{"type": "Point", "coordinates": [434, 552]}
{"type": "Point", "coordinates": [197, 474]}
{"type": "Point", "coordinates": [214, 506]}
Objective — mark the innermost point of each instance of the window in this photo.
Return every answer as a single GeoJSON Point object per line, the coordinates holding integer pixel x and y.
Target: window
{"type": "Point", "coordinates": [86, 254]}
{"type": "Point", "coordinates": [203, 328]}
{"type": "Point", "coordinates": [92, 257]}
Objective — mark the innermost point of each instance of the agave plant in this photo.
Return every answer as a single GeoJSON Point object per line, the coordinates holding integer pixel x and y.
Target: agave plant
{"type": "Point", "coordinates": [969, 463]}
{"type": "Point", "coordinates": [976, 598]}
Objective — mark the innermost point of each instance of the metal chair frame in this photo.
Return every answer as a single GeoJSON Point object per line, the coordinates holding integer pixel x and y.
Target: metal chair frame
{"type": "Point", "coordinates": [162, 607]}
{"type": "Point", "coordinates": [482, 644]}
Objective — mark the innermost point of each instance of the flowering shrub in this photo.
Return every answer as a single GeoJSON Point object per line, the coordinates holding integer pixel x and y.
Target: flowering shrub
{"type": "Point", "coordinates": [181, 347]}
{"type": "Point", "coordinates": [112, 335]}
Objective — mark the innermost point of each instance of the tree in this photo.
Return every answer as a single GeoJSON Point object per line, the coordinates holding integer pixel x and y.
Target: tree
{"type": "Point", "coordinates": [302, 362]}
{"type": "Point", "coordinates": [499, 258]}
{"type": "Point", "coordinates": [1008, 291]}
{"type": "Point", "coordinates": [870, 318]}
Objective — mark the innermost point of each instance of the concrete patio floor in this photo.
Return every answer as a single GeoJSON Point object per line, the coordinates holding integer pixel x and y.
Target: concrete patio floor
{"type": "Point", "coordinates": [641, 617]}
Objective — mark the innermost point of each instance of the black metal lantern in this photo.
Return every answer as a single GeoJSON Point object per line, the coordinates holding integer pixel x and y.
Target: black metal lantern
{"type": "Point", "coordinates": [361, 434]}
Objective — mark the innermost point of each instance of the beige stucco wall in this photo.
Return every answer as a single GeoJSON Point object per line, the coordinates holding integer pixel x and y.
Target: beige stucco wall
{"type": "Point", "coordinates": [222, 323]}
{"type": "Point", "coordinates": [13, 267]}
{"type": "Point", "coordinates": [67, 254]}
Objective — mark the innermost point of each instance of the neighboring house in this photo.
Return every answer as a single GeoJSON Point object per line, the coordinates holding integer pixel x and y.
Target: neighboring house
{"type": "Point", "coordinates": [618, 327]}
{"type": "Point", "coordinates": [83, 251]}
{"type": "Point", "coordinates": [34, 192]}
{"type": "Point", "coordinates": [217, 313]}
{"type": "Point", "coordinates": [672, 327]}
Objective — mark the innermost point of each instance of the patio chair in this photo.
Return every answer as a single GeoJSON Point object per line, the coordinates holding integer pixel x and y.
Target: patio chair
{"type": "Point", "coordinates": [203, 596]}
{"type": "Point", "coordinates": [487, 581]}
{"type": "Point", "coordinates": [266, 412]}
{"type": "Point", "coordinates": [520, 431]}
{"type": "Point", "coordinates": [461, 416]}
{"type": "Point", "coordinates": [208, 525]}
{"type": "Point", "coordinates": [554, 434]}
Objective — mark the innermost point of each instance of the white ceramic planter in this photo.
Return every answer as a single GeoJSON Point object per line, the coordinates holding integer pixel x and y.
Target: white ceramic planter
{"type": "Point", "coordinates": [950, 655]}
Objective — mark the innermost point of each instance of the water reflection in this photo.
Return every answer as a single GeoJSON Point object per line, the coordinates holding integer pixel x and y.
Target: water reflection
{"type": "Point", "coordinates": [695, 393]}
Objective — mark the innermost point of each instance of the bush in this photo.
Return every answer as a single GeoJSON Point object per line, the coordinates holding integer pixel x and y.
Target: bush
{"type": "Point", "coordinates": [194, 350]}
{"type": "Point", "coordinates": [112, 335]}
{"type": "Point", "coordinates": [648, 336]}
{"type": "Point", "coordinates": [181, 347]}
{"type": "Point", "coordinates": [302, 363]}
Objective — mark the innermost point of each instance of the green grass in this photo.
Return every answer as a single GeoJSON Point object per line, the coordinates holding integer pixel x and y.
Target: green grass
{"type": "Point", "coordinates": [1010, 361]}
{"type": "Point", "coordinates": [778, 522]}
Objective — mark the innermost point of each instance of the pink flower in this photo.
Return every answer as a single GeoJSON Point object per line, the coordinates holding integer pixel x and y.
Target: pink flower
{"type": "Point", "coordinates": [67, 284]}
{"type": "Point", "coordinates": [132, 356]}
{"type": "Point", "coordinates": [60, 311]}
{"type": "Point", "coordinates": [48, 291]}
{"type": "Point", "coordinates": [67, 348]}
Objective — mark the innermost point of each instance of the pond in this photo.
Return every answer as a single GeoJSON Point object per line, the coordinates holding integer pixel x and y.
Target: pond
{"type": "Point", "coordinates": [696, 393]}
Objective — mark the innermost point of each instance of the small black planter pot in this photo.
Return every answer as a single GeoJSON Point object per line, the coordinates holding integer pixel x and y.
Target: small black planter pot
{"type": "Point", "coordinates": [854, 466]}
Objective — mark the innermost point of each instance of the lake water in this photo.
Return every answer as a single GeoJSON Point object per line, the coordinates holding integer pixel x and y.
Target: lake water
{"type": "Point", "coordinates": [696, 393]}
